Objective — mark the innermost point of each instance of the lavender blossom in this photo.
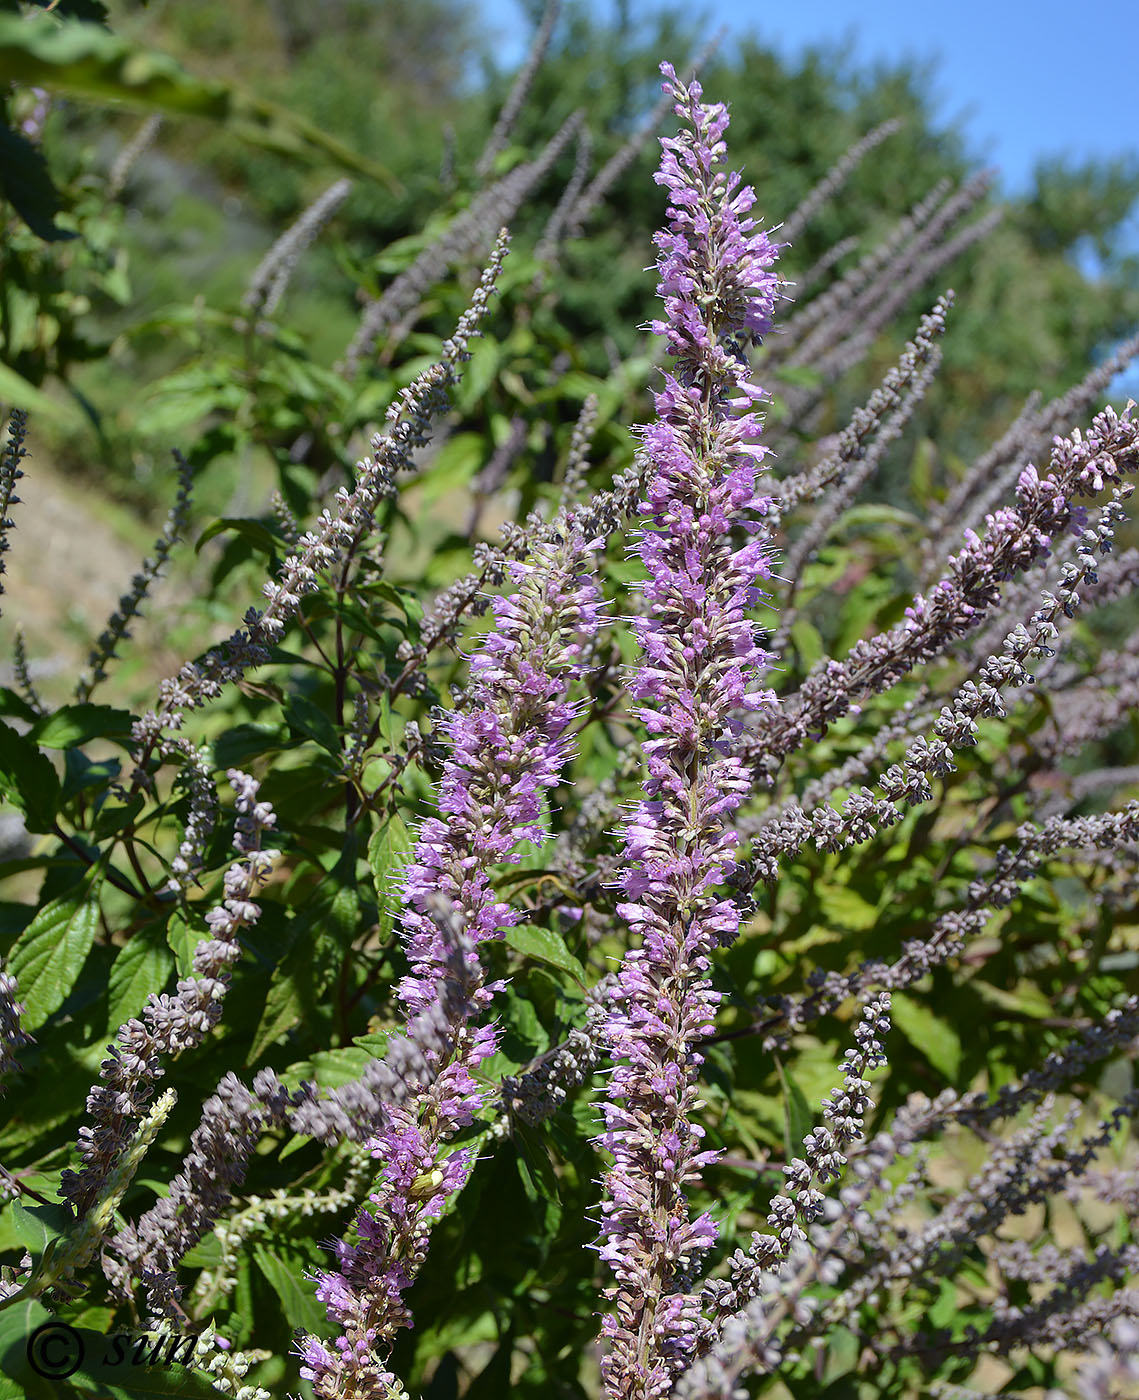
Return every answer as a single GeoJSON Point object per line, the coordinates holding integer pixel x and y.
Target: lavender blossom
{"type": "Point", "coordinates": [512, 107]}
{"type": "Point", "coordinates": [836, 177]}
{"type": "Point", "coordinates": [508, 746]}
{"type": "Point", "coordinates": [233, 1119]}
{"type": "Point", "coordinates": [1016, 539]}
{"type": "Point", "coordinates": [12, 453]}
{"type": "Point", "coordinates": [131, 154]}
{"type": "Point", "coordinates": [700, 658]}
{"type": "Point", "coordinates": [13, 1037]}
{"type": "Point", "coordinates": [130, 603]}
{"type": "Point", "coordinates": [170, 1024]}
{"type": "Point", "coordinates": [409, 420]}
{"type": "Point", "coordinates": [274, 272]}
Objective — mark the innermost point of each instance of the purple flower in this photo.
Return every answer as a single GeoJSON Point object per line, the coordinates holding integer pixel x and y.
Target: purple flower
{"type": "Point", "coordinates": [700, 661]}
{"type": "Point", "coordinates": [508, 748]}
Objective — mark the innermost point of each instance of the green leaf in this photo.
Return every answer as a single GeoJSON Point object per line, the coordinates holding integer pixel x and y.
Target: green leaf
{"type": "Point", "coordinates": [453, 465]}
{"type": "Point", "coordinates": [245, 741]}
{"type": "Point", "coordinates": [842, 908]}
{"type": "Point", "coordinates": [38, 1225]}
{"type": "Point", "coordinates": [110, 1367]}
{"type": "Point", "coordinates": [311, 722]}
{"type": "Point", "coordinates": [11, 703]}
{"type": "Point", "coordinates": [546, 946]}
{"type": "Point", "coordinates": [1026, 998]}
{"type": "Point", "coordinates": [26, 184]}
{"type": "Point", "coordinates": [81, 773]}
{"type": "Point", "coordinates": [86, 61]}
{"type": "Point", "coordinates": [78, 724]}
{"type": "Point", "coordinates": [879, 513]}
{"type": "Point", "coordinates": [252, 531]}
{"type": "Point", "coordinates": [807, 642]}
{"type": "Point", "coordinates": [184, 931]}
{"type": "Point", "coordinates": [388, 851]}
{"type": "Point", "coordinates": [319, 936]}
{"type": "Point", "coordinates": [535, 1167]}
{"type": "Point", "coordinates": [331, 1068]}
{"type": "Point", "coordinates": [375, 1043]}
{"type": "Point", "coordinates": [16, 390]}
{"type": "Point", "coordinates": [798, 1116]}
{"type": "Point", "coordinates": [935, 1038]}
{"type": "Point", "coordinates": [28, 779]}
{"type": "Point", "coordinates": [945, 1309]}
{"type": "Point", "coordinates": [478, 375]}
{"type": "Point", "coordinates": [187, 395]}
{"type": "Point", "coordinates": [18, 1323]}
{"type": "Point", "coordinates": [801, 376]}
{"type": "Point", "coordinates": [77, 9]}
{"type": "Point", "coordinates": [142, 966]}
{"type": "Point", "coordinates": [286, 1277]}
{"type": "Point", "coordinates": [48, 956]}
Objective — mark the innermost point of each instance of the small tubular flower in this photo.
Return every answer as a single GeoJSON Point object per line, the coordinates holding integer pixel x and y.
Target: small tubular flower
{"type": "Point", "coordinates": [700, 660]}
{"type": "Point", "coordinates": [508, 746]}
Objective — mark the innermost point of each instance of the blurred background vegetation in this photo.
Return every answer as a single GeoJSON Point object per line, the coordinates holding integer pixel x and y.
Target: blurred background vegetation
{"type": "Point", "coordinates": [122, 275]}
{"type": "Point", "coordinates": [400, 83]}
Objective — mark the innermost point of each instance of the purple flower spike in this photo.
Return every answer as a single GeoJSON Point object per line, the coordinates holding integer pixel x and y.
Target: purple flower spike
{"type": "Point", "coordinates": [700, 661]}
{"type": "Point", "coordinates": [509, 746]}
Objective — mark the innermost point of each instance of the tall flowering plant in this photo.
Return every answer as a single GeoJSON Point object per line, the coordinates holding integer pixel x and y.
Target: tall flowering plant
{"type": "Point", "coordinates": [700, 664]}
{"type": "Point", "coordinates": [508, 746]}
{"type": "Point", "coordinates": [409, 1048]}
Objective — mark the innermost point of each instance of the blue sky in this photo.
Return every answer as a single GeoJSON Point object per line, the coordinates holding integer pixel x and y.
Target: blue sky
{"type": "Point", "coordinates": [1030, 79]}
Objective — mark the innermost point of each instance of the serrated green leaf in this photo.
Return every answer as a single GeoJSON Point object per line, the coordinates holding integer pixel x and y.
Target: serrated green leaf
{"type": "Point", "coordinates": [143, 966]}
{"type": "Point", "coordinates": [286, 1278]}
{"type": "Point", "coordinates": [38, 1225]}
{"type": "Point", "coordinates": [375, 1043]}
{"type": "Point", "coordinates": [311, 722]}
{"type": "Point", "coordinates": [388, 851]}
{"type": "Point", "coordinates": [28, 779]}
{"type": "Point", "coordinates": [78, 724]}
{"type": "Point", "coordinates": [48, 956]}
